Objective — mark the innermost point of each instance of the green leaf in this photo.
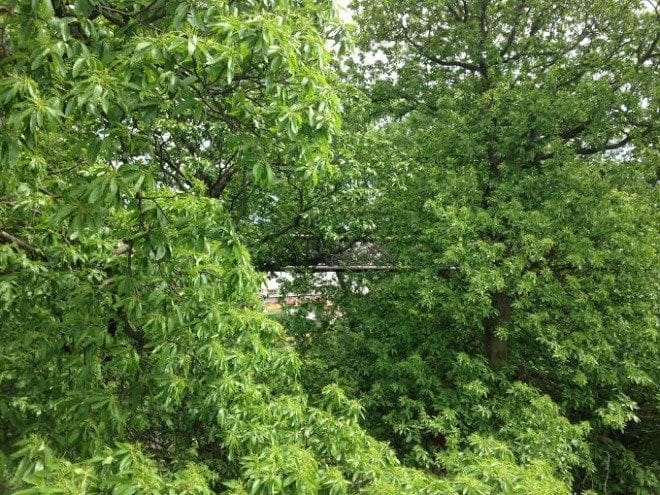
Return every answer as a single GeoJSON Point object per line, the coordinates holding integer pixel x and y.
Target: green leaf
{"type": "Point", "coordinates": [192, 44]}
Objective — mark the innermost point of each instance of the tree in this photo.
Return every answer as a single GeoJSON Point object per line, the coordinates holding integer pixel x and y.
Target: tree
{"type": "Point", "coordinates": [525, 303]}
{"type": "Point", "coordinates": [136, 354]}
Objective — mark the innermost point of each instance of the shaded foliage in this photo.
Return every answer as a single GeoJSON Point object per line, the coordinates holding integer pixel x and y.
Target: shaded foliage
{"type": "Point", "coordinates": [516, 195]}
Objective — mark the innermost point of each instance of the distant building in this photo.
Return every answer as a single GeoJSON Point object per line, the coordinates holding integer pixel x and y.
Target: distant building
{"type": "Point", "coordinates": [362, 257]}
{"type": "Point", "coordinates": [273, 289]}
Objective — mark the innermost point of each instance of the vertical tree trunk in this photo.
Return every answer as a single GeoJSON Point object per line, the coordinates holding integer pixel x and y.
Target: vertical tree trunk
{"type": "Point", "coordinates": [496, 348]}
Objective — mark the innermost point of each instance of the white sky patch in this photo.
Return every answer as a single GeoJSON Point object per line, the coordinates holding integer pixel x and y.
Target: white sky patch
{"type": "Point", "coordinates": [344, 12]}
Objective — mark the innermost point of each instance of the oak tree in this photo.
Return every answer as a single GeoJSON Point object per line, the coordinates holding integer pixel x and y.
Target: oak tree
{"type": "Point", "coordinates": [517, 199]}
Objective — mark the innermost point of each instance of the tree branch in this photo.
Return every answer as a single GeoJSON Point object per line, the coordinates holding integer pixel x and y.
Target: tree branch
{"type": "Point", "coordinates": [574, 131]}
{"type": "Point", "coordinates": [224, 176]}
{"type": "Point", "coordinates": [32, 252]}
{"type": "Point", "coordinates": [436, 60]}
{"type": "Point", "coordinates": [336, 268]}
{"type": "Point", "coordinates": [644, 55]}
{"type": "Point", "coordinates": [604, 147]}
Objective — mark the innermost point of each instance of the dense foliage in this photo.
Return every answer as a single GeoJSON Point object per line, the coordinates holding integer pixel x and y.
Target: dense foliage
{"type": "Point", "coordinates": [510, 345]}
{"type": "Point", "coordinates": [512, 161]}
{"type": "Point", "coordinates": [136, 357]}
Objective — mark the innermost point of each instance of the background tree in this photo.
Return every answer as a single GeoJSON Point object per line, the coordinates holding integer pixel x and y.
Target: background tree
{"type": "Point", "coordinates": [136, 355]}
{"type": "Point", "coordinates": [525, 232]}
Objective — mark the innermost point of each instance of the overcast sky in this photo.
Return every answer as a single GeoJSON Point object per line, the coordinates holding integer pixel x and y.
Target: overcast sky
{"type": "Point", "coordinates": [343, 9]}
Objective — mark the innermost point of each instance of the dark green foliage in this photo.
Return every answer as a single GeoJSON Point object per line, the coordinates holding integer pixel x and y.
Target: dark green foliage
{"type": "Point", "coordinates": [522, 222]}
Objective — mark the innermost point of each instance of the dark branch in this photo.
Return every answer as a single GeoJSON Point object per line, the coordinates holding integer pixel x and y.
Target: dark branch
{"type": "Point", "coordinates": [32, 252]}
{"type": "Point", "coordinates": [337, 268]}
{"type": "Point", "coordinates": [575, 131]}
{"type": "Point", "coordinates": [436, 60]}
{"type": "Point", "coordinates": [224, 176]}
{"type": "Point", "coordinates": [604, 147]}
{"type": "Point", "coordinates": [136, 335]}
{"type": "Point", "coordinates": [644, 55]}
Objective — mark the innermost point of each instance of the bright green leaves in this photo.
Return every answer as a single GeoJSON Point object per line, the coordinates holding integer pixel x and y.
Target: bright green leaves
{"type": "Point", "coordinates": [123, 469]}
{"type": "Point", "coordinates": [489, 467]}
{"type": "Point", "coordinates": [135, 316]}
{"type": "Point", "coordinates": [17, 85]}
{"type": "Point", "coordinates": [42, 9]}
{"type": "Point", "coordinates": [263, 174]}
{"type": "Point", "coordinates": [36, 114]}
{"type": "Point", "coordinates": [279, 470]}
{"type": "Point", "coordinates": [619, 412]}
{"type": "Point", "coordinates": [130, 308]}
{"type": "Point", "coordinates": [259, 73]}
{"type": "Point", "coordinates": [31, 109]}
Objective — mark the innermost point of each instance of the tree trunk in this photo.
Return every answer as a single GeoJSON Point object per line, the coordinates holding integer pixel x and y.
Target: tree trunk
{"type": "Point", "coordinates": [496, 348]}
